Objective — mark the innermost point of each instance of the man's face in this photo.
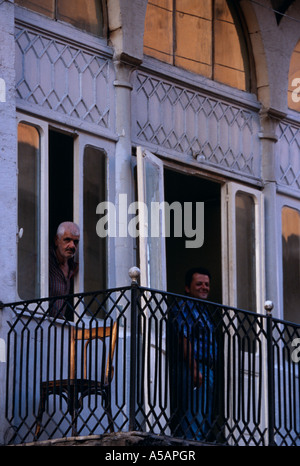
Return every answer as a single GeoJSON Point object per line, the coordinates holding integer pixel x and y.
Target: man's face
{"type": "Point", "coordinates": [199, 287]}
{"type": "Point", "coordinates": [66, 245]}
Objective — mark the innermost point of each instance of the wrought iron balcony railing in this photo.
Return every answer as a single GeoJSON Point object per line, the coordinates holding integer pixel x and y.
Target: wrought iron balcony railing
{"type": "Point", "coordinates": [126, 359]}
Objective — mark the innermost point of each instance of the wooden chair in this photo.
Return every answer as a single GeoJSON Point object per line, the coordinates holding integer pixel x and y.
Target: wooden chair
{"type": "Point", "coordinates": [73, 389]}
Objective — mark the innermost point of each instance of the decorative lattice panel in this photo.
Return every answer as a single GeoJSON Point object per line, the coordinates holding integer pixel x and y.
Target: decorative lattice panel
{"type": "Point", "coordinates": [188, 122]}
{"type": "Point", "coordinates": [289, 155]}
{"type": "Point", "coordinates": [63, 78]}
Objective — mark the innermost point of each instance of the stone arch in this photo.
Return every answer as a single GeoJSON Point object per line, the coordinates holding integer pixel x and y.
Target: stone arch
{"type": "Point", "coordinates": [258, 50]}
{"type": "Point", "coordinates": [272, 46]}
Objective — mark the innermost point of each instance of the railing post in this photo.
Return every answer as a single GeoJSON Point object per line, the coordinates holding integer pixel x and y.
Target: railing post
{"type": "Point", "coordinates": [270, 361]}
{"type": "Point", "coordinates": [134, 274]}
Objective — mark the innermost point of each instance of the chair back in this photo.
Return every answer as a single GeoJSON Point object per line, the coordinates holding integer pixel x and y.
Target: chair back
{"type": "Point", "coordinates": [88, 335]}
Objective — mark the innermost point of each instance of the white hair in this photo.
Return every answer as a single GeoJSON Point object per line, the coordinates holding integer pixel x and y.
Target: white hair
{"type": "Point", "coordinates": [70, 226]}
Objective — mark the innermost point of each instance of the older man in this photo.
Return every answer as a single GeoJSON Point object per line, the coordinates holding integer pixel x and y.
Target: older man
{"type": "Point", "coordinates": [62, 266]}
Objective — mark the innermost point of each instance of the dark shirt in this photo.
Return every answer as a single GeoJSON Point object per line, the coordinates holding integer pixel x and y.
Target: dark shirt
{"type": "Point", "coordinates": [193, 320]}
{"type": "Point", "coordinates": [59, 284]}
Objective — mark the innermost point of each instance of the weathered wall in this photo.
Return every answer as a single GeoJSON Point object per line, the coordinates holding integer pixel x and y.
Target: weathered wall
{"type": "Point", "coordinates": [8, 178]}
{"type": "Point", "coordinates": [8, 154]}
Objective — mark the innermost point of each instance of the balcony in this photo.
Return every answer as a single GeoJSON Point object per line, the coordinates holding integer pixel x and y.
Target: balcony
{"type": "Point", "coordinates": [132, 375]}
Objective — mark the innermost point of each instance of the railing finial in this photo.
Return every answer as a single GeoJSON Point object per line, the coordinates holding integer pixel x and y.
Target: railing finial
{"type": "Point", "coordinates": [269, 306]}
{"type": "Point", "coordinates": [134, 273]}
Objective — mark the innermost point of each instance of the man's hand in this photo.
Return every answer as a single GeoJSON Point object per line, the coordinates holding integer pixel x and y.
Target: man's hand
{"type": "Point", "coordinates": [197, 376]}
{"type": "Point", "coordinates": [188, 355]}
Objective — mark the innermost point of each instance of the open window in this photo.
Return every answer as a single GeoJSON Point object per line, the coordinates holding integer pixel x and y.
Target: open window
{"type": "Point", "coordinates": [61, 177]}
{"type": "Point", "coordinates": [151, 220]}
{"type": "Point", "coordinates": [181, 222]}
{"type": "Point", "coordinates": [233, 234]}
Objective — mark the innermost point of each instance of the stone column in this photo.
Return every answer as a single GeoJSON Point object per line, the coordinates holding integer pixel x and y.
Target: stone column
{"type": "Point", "coordinates": [269, 122]}
{"type": "Point", "coordinates": [126, 28]}
{"type": "Point", "coordinates": [124, 182]}
{"type": "Point", "coordinates": [8, 188]}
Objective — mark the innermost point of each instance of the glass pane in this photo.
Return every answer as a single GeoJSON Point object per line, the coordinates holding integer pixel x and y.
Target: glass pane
{"type": "Point", "coordinates": [228, 59]}
{"type": "Point", "coordinates": [294, 80]}
{"type": "Point", "coordinates": [84, 14]}
{"type": "Point", "coordinates": [28, 211]}
{"type": "Point", "coordinates": [194, 28]}
{"type": "Point", "coordinates": [245, 252]}
{"type": "Point", "coordinates": [201, 37]}
{"type": "Point", "coordinates": [291, 263]}
{"type": "Point", "coordinates": [158, 35]}
{"type": "Point", "coordinates": [152, 220]}
{"type": "Point", "coordinates": [45, 7]}
{"type": "Point", "coordinates": [154, 252]}
{"type": "Point", "coordinates": [245, 270]}
{"type": "Point", "coordinates": [94, 247]}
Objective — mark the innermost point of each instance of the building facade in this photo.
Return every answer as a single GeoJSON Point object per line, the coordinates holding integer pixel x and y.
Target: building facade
{"type": "Point", "coordinates": [186, 103]}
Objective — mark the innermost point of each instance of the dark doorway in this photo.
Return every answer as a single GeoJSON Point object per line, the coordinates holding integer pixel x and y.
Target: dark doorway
{"type": "Point", "coordinates": [60, 180]}
{"type": "Point", "coordinates": [188, 188]}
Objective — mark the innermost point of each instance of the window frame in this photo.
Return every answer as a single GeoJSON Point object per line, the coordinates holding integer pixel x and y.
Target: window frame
{"type": "Point", "coordinates": [42, 129]}
{"type": "Point", "coordinates": [229, 271]}
{"type": "Point", "coordinates": [81, 141]}
{"type": "Point", "coordinates": [55, 20]}
{"type": "Point", "coordinates": [144, 156]}
{"type": "Point", "coordinates": [283, 201]}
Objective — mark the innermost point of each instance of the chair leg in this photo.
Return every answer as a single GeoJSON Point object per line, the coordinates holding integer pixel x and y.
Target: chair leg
{"type": "Point", "coordinates": [111, 422]}
{"type": "Point", "coordinates": [108, 411]}
{"type": "Point", "coordinates": [39, 418]}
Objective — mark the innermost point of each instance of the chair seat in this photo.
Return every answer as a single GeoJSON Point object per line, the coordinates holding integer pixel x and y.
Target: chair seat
{"type": "Point", "coordinates": [70, 389]}
{"type": "Point", "coordinates": [70, 383]}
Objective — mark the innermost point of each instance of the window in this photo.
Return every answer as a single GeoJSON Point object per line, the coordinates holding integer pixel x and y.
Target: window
{"type": "Point", "coordinates": [243, 240]}
{"type": "Point", "coordinates": [245, 251]}
{"type": "Point", "coordinates": [28, 211]}
{"type": "Point", "coordinates": [294, 80]}
{"type": "Point", "coordinates": [243, 265]}
{"type": "Point", "coordinates": [179, 234]}
{"type": "Point", "coordinates": [291, 263]}
{"type": "Point", "coordinates": [204, 37]}
{"type": "Point", "coordinates": [61, 176]}
{"type": "Point", "coordinates": [93, 193]}
{"type": "Point", "coordinates": [83, 14]}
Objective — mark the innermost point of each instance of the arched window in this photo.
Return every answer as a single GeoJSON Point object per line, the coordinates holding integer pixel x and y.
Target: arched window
{"type": "Point", "coordinates": [86, 15]}
{"type": "Point", "coordinates": [204, 37]}
{"type": "Point", "coordinates": [294, 80]}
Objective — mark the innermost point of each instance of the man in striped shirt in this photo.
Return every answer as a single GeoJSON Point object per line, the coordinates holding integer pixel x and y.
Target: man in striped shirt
{"type": "Point", "coordinates": [62, 266]}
